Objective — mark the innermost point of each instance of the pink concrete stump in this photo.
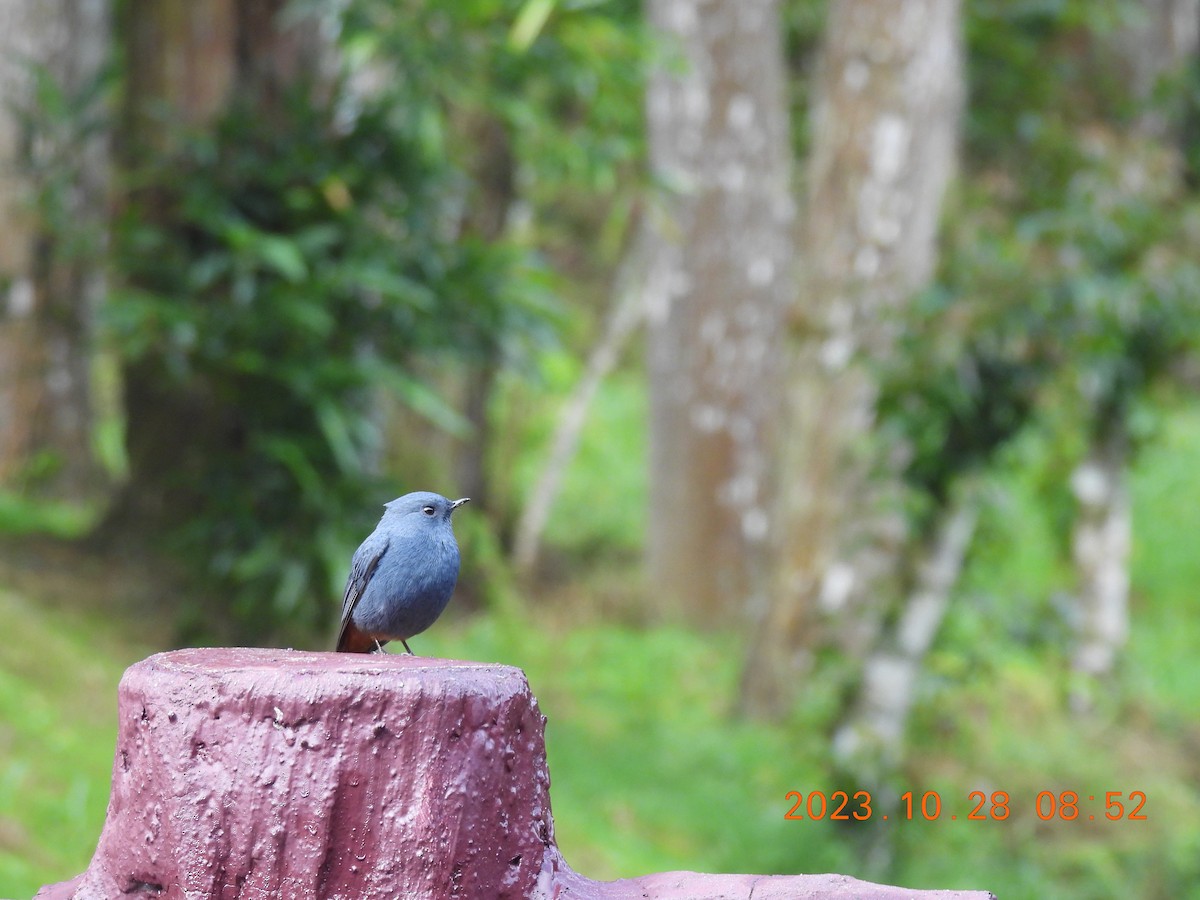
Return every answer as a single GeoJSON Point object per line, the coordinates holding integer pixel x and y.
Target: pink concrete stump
{"type": "Point", "coordinates": [278, 774]}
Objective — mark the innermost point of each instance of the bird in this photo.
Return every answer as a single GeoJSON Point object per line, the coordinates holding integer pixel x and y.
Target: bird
{"type": "Point", "coordinates": [402, 575]}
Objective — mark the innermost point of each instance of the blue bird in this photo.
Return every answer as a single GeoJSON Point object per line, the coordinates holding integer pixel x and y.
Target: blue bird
{"type": "Point", "coordinates": [402, 575]}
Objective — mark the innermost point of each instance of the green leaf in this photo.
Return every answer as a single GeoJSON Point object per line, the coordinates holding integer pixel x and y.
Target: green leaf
{"type": "Point", "coordinates": [283, 256]}
{"type": "Point", "coordinates": [422, 399]}
{"type": "Point", "coordinates": [529, 23]}
{"type": "Point", "coordinates": [336, 429]}
{"type": "Point", "coordinates": [293, 580]}
{"type": "Point", "coordinates": [292, 456]}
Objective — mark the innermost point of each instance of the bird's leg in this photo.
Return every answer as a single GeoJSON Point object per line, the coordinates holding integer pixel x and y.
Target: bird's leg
{"type": "Point", "coordinates": [378, 646]}
{"type": "Point", "coordinates": [406, 647]}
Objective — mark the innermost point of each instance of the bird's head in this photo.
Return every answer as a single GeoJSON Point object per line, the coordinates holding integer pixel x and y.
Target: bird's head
{"type": "Point", "coordinates": [424, 505]}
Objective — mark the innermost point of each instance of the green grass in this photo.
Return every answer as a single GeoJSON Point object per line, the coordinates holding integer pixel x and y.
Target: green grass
{"type": "Point", "coordinates": [601, 505]}
{"type": "Point", "coordinates": [58, 677]}
{"type": "Point", "coordinates": [1166, 567]}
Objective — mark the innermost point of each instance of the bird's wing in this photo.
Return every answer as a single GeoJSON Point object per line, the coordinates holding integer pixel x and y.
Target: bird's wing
{"type": "Point", "coordinates": [366, 560]}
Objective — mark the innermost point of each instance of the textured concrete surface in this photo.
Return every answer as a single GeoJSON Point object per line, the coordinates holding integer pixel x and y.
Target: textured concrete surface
{"type": "Point", "coordinates": [254, 773]}
{"type": "Point", "coordinates": [267, 773]}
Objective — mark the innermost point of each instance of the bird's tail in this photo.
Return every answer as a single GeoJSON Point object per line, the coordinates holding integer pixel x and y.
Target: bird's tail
{"type": "Point", "coordinates": [352, 640]}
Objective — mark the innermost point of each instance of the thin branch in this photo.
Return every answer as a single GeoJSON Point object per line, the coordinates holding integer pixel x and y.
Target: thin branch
{"type": "Point", "coordinates": [623, 320]}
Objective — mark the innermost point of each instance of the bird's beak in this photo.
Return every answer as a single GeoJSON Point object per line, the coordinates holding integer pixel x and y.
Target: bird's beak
{"type": "Point", "coordinates": [457, 503]}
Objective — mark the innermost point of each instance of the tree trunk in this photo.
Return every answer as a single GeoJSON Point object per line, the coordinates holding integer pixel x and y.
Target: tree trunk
{"type": "Point", "coordinates": [493, 175]}
{"type": "Point", "coordinates": [871, 738]}
{"type": "Point", "coordinates": [53, 201]}
{"type": "Point", "coordinates": [887, 103]}
{"type": "Point", "coordinates": [179, 62]}
{"type": "Point", "coordinates": [717, 282]}
{"type": "Point", "coordinates": [1100, 544]}
{"type": "Point", "coordinates": [1158, 40]}
{"type": "Point", "coordinates": [868, 745]}
{"type": "Point", "coordinates": [1158, 44]}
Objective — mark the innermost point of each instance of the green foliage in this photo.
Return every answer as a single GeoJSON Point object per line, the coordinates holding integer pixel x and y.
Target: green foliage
{"type": "Point", "coordinates": [600, 513]}
{"type": "Point", "coordinates": [284, 270]}
{"type": "Point", "coordinates": [563, 78]}
{"type": "Point", "coordinates": [1166, 571]}
{"type": "Point", "coordinates": [1066, 293]}
{"type": "Point", "coordinates": [20, 514]}
{"type": "Point", "coordinates": [54, 123]}
{"type": "Point", "coordinates": [555, 90]}
{"type": "Point", "coordinates": [1002, 649]}
{"type": "Point", "coordinates": [804, 25]}
{"type": "Point", "coordinates": [1037, 71]}
{"type": "Point", "coordinates": [281, 274]}
{"type": "Point", "coordinates": [1121, 305]}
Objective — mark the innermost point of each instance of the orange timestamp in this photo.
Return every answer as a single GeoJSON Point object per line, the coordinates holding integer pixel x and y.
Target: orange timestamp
{"type": "Point", "coordinates": [1066, 806]}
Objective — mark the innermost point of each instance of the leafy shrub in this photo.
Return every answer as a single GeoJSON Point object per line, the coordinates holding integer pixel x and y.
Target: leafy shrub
{"type": "Point", "coordinates": [281, 274]}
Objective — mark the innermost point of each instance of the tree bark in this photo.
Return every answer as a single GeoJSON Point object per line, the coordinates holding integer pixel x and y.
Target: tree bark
{"type": "Point", "coordinates": [887, 104]}
{"type": "Point", "coordinates": [180, 63]}
{"type": "Point", "coordinates": [1157, 44]}
{"type": "Point", "coordinates": [871, 738]}
{"type": "Point", "coordinates": [1100, 544]}
{"type": "Point", "coordinates": [53, 201]}
{"type": "Point", "coordinates": [717, 282]}
{"type": "Point", "coordinates": [493, 171]}
{"type": "Point", "coordinates": [1158, 40]}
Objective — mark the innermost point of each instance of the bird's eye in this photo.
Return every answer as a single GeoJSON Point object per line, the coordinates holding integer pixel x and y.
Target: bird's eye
{"type": "Point", "coordinates": [428, 510]}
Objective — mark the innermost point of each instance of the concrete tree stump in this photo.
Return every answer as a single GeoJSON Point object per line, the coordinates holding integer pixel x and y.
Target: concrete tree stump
{"type": "Point", "coordinates": [277, 774]}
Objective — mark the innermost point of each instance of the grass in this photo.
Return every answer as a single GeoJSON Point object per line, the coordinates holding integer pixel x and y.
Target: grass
{"type": "Point", "coordinates": [650, 771]}
{"type": "Point", "coordinates": [1166, 567]}
{"type": "Point", "coordinates": [58, 677]}
{"type": "Point", "coordinates": [600, 506]}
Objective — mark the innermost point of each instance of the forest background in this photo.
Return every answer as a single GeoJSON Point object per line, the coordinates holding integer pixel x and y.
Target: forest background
{"type": "Point", "coordinates": [823, 375]}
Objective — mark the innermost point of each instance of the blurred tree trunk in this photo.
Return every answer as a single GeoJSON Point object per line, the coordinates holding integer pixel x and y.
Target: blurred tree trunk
{"type": "Point", "coordinates": [1158, 44]}
{"type": "Point", "coordinates": [887, 103]}
{"type": "Point", "coordinates": [493, 175]}
{"type": "Point", "coordinates": [1100, 543]}
{"type": "Point", "coordinates": [493, 170]}
{"type": "Point", "coordinates": [185, 62]}
{"type": "Point", "coordinates": [718, 278]}
{"type": "Point", "coordinates": [1159, 41]}
{"type": "Point", "coordinates": [53, 201]}
{"type": "Point", "coordinates": [868, 744]}
{"type": "Point", "coordinates": [869, 741]}
{"type": "Point", "coordinates": [180, 66]}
